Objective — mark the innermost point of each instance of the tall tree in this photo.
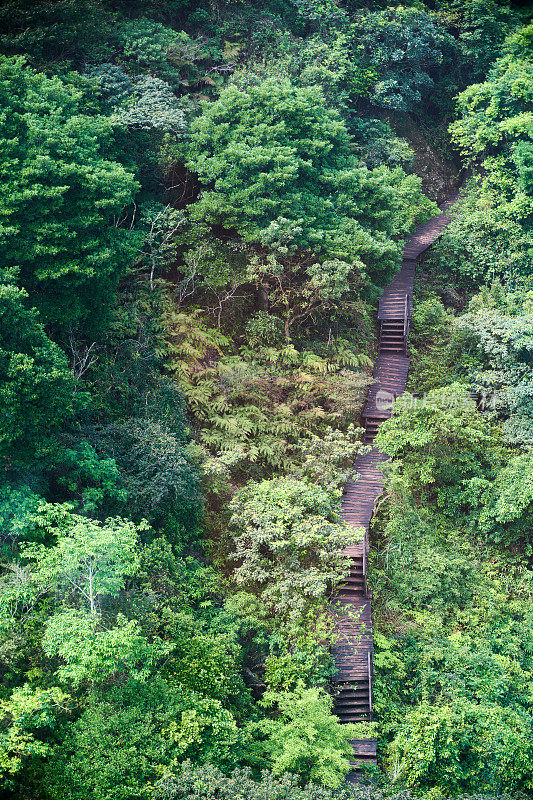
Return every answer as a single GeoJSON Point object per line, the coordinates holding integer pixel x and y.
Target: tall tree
{"type": "Point", "coordinates": [63, 195]}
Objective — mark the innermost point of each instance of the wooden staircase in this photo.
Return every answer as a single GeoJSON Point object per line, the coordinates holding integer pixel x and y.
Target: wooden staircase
{"type": "Point", "coordinates": [392, 337]}
{"type": "Point", "coordinates": [351, 602]}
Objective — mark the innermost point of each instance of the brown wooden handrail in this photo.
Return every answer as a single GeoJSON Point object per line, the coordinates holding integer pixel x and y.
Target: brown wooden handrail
{"type": "Point", "coordinates": [369, 683]}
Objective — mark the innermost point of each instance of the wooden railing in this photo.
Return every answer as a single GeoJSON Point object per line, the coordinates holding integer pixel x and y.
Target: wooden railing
{"type": "Point", "coordinates": [370, 682]}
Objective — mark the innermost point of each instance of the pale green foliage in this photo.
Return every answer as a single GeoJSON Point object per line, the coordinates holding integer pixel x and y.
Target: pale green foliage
{"type": "Point", "coordinates": [440, 438]}
{"type": "Point", "coordinates": [25, 716]}
{"type": "Point", "coordinates": [89, 558]}
{"type": "Point", "coordinates": [265, 402]}
{"type": "Point", "coordinates": [490, 237]}
{"type": "Point", "coordinates": [305, 661]}
{"type": "Point", "coordinates": [461, 742]}
{"type": "Point", "coordinates": [288, 545]}
{"type": "Point", "coordinates": [88, 561]}
{"type": "Point", "coordinates": [441, 352]}
{"type": "Point", "coordinates": [496, 114]}
{"type": "Point", "coordinates": [154, 107]}
{"type": "Point", "coordinates": [91, 653]}
{"type": "Point", "coordinates": [305, 737]}
{"type": "Point", "coordinates": [507, 503]}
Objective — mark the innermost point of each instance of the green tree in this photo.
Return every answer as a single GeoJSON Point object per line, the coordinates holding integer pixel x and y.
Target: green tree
{"type": "Point", "coordinates": [36, 384]}
{"type": "Point", "coordinates": [63, 195]}
{"type": "Point", "coordinates": [90, 652]}
{"type": "Point", "coordinates": [500, 324]}
{"type": "Point", "coordinates": [277, 166]}
{"type": "Point", "coordinates": [305, 737]}
{"type": "Point", "coordinates": [438, 442]}
{"type": "Point", "coordinates": [288, 545]}
{"type": "Point", "coordinates": [87, 563]}
{"type": "Point", "coordinates": [122, 742]}
{"type": "Point", "coordinates": [506, 504]}
{"type": "Point", "coordinates": [88, 559]}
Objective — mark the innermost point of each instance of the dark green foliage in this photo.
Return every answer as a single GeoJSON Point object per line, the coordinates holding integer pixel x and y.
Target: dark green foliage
{"type": "Point", "coordinates": [55, 31]}
{"type": "Point", "coordinates": [36, 386]}
{"type": "Point", "coordinates": [480, 27]}
{"type": "Point", "coordinates": [63, 196]}
{"type": "Point", "coordinates": [121, 743]}
{"type": "Point", "coordinates": [155, 478]}
{"type": "Point", "coordinates": [407, 47]}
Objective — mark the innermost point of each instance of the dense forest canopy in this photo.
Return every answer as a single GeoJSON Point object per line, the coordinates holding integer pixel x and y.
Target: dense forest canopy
{"type": "Point", "coordinates": [200, 203]}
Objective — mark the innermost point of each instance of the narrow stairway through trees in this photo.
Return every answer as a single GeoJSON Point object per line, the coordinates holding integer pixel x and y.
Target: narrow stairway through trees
{"type": "Point", "coordinates": [353, 650]}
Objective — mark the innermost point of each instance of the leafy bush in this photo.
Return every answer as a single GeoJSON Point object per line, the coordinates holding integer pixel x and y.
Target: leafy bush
{"type": "Point", "coordinates": [207, 783]}
{"type": "Point", "coordinates": [36, 385]}
{"type": "Point", "coordinates": [288, 546]}
{"type": "Point", "coordinates": [59, 165]}
{"type": "Point", "coordinates": [119, 746]}
{"type": "Point", "coordinates": [305, 737]}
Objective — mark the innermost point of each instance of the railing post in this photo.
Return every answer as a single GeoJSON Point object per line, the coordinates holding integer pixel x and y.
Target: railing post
{"type": "Point", "coordinates": [405, 325]}
{"type": "Point", "coordinates": [369, 686]}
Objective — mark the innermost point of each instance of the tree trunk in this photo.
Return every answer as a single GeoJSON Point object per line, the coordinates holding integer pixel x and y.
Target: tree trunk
{"type": "Point", "coordinates": [261, 298]}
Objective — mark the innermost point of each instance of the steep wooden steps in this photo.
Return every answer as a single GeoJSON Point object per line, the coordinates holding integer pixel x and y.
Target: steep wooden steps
{"type": "Point", "coordinates": [366, 750]}
{"type": "Point", "coordinates": [351, 601]}
{"type": "Point", "coordinates": [425, 234]}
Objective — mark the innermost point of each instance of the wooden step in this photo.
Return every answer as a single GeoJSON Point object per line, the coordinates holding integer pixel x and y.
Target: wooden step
{"type": "Point", "coordinates": [351, 600]}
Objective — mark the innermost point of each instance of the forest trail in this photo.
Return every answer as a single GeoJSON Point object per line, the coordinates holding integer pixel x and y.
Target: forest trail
{"type": "Point", "coordinates": [352, 601]}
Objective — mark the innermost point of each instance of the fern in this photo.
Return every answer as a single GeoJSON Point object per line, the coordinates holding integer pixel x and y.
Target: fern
{"type": "Point", "coordinates": [264, 401]}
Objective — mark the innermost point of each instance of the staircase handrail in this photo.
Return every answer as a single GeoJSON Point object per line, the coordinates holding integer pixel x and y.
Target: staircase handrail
{"type": "Point", "coordinates": [369, 684]}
